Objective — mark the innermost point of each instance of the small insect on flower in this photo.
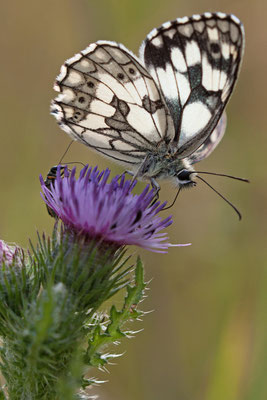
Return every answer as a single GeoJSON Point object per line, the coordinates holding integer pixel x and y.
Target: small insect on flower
{"type": "Point", "coordinates": [91, 208]}
{"type": "Point", "coordinates": [162, 113]}
{"type": "Point", "coordinates": [49, 181]}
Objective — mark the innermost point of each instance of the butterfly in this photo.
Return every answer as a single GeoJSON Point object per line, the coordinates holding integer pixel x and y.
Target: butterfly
{"type": "Point", "coordinates": [161, 113]}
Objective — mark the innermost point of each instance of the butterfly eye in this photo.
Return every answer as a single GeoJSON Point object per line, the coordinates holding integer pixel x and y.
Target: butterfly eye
{"type": "Point", "coordinates": [184, 175]}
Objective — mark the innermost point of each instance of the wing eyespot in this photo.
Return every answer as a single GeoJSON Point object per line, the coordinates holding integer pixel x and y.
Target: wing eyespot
{"type": "Point", "coordinates": [77, 117]}
{"type": "Point", "coordinates": [81, 99]}
{"type": "Point", "coordinates": [90, 84]}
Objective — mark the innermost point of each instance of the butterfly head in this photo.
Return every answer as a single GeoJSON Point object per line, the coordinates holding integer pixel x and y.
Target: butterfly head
{"type": "Point", "coordinates": [185, 178]}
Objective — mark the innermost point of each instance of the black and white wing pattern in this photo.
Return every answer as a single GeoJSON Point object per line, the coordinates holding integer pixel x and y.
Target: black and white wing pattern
{"type": "Point", "coordinates": [173, 98]}
{"type": "Point", "coordinates": [110, 102]}
{"type": "Point", "coordinates": [211, 142]}
{"type": "Point", "coordinates": [195, 62]}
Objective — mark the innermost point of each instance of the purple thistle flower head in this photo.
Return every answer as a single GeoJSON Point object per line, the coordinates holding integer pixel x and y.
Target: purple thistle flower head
{"type": "Point", "coordinates": [108, 212]}
{"type": "Point", "coordinates": [10, 254]}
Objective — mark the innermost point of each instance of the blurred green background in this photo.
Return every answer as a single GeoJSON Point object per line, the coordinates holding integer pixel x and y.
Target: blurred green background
{"type": "Point", "coordinates": [207, 336]}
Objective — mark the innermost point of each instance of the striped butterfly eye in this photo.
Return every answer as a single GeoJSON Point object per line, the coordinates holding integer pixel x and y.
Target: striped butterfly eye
{"type": "Point", "coordinates": [162, 112]}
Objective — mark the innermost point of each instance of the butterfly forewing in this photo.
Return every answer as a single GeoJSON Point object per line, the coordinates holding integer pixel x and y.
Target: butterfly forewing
{"type": "Point", "coordinates": [195, 63]}
{"type": "Point", "coordinates": [110, 102]}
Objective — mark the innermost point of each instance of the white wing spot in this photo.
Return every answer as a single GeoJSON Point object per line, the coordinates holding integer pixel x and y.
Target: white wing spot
{"type": "Point", "coordinates": [152, 89]}
{"type": "Point", "coordinates": [85, 65]}
{"type": "Point", "coordinates": [178, 60]}
{"type": "Point", "coordinates": [186, 30]}
{"type": "Point", "coordinates": [235, 19]}
{"type": "Point", "coordinates": [141, 121]}
{"type": "Point", "coordinates": [104, 93]}
{"type": "Point", "coordinates": [225, 51]}
{"type": "Point", "coordinates": [234, 33]}
{"type": "Point", "coordinates": [207, 14]}
{"type": "Point", "coordinates": [195, 114]}
{"type": "Point", "coordinates": [199, 26]}
{"type": "Point", "coordinates": [211, 23]}
{"type": "Point", "coordinates": [182, 20]}
{"type": "Point", "coordinates": [157, 41]}
{"type": "Point", "coordinates": [183, 87]}
{"type": "Point", "coordinates": [192, 53]}
{"type": "Point", "coordinates": [68, 112]}
{"type": "Point", "coordinates": [213, 34]}
{"type": "Point", "coordinates": [170, 33]}
{"type": "Point", "coordinates": [166, 25]}
{"type": "Point", "coordinates": [93, 121]}
{"type": "Point", "coordinates": [66, 96]}
{"type": "Point", "coordinates": [216, 78]}
{"type": "Point", "coordinates": [120, 145]}
{"type": "Point", "coordinates": [100, 55]}
{"type": "Point", "coordinates": [74, 79]}
{"type": "Point", "coordinates": [153, 33]}
{"type": "Point", "coordinates": [170, 90]}
{"type": "Point", "coordinates": [206, 73]}
{"type": "Point", "coordinates": [196, 17]}
{"type": "Point", "coordinates": [98, 107]}
{"type": "Point", "coordinates": [223, 26]}
{"type": "Point", "coordinates": [119, 56]}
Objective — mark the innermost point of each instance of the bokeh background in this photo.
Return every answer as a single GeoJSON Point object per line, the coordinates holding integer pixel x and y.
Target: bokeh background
{"type": "Point", "coordinates": [207, 336]}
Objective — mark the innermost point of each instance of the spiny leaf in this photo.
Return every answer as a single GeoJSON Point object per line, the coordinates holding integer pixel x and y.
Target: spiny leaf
{"type": "Point", "coordinates": [103, 333]}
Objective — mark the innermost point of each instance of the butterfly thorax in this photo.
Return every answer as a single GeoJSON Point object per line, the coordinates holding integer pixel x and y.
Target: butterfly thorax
{"type": "Point", "coordinates": [164, 164]}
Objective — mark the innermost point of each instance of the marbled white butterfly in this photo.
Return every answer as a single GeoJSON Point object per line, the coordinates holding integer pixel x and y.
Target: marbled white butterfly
{"type": "Point", "coordinates": [163, 112]}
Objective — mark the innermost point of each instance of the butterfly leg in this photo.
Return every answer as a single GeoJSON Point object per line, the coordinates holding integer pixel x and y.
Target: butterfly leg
{"type": "Point", "coordinates": [126, 172]}
{"type": "Point", "coordinates": [156, 187]}
{"type": "Point", "coordinates": [129, 173]}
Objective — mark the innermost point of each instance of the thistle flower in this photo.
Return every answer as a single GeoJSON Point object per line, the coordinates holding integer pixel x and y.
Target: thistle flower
{"type": "Point", "coordinates": [95, 209]}
{"type": "Point", "coordinates": [9, 254]}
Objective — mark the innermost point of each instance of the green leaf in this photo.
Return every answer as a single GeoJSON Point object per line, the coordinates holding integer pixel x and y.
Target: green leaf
{"type": "Point", "coordinates": [111, 330]}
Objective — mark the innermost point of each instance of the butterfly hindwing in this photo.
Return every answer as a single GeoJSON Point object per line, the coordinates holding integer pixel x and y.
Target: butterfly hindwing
{"type": "Point", "coordinates": [195, 62]}
{"type": "Point", "coordinates": [211, 142]}
{"type": "Point", "coordinates": [110, 102]}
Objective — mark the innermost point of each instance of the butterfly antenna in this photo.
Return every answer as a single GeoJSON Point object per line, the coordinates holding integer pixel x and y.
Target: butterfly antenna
{"type": "Point", "coordinates": [71, 162]}
{"type": "Point", "coordinates": [65, 152]}
{"type": "Point", "coordinates": [227, 176]}
{"type": "Point", "coordinates": [175, 198]}
{"type": "Point", "coordinates": [224, 198]}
